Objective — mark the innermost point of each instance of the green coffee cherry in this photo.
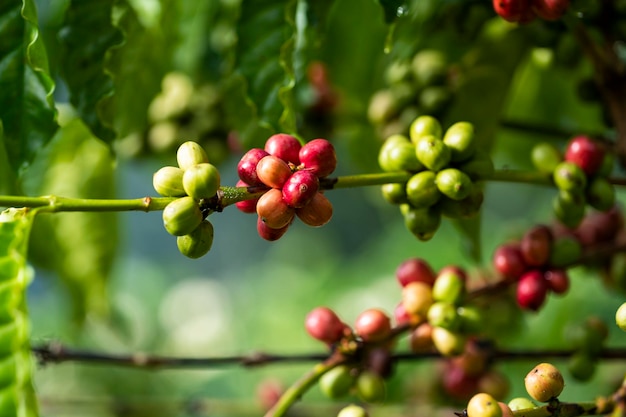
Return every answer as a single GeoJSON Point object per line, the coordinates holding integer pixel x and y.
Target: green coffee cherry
{"type": "Point", "coordinates": [600, 194]}
{"type": "Point", "coordinates": [370, 387]}
{"type": "Point", "coordinates": [423, 223]}
{"type": "Point", "coordinates": [434, 98]}
{"type": "Point", "coordinates": [168, 181]}
{"type": "Point", "coordinates": [462, 209]}
{"type": "Point", "coordinates": [581, 366]}
{"type": "Point", "coordinates": [444, 314]}
{"type": "Point", "coordinates": [400, 157]}
{"type": "Point", "coordinates": [201, 180]}
{"type": "Point", "coordinates": [460, 139]}
{"type": "Point", "coordinates": [383, 107]}
{"type": "Point", "coordinates": [197, 243]}
{"type": "Point", "coordinates": [569, 208]}
{"type": "Point", "coordinates": [620, 317]}
{"type": "Point", "coordinates": [449, 287]}
{"type": "Point", "coordinates": [483, 405]}
{"type": "Point", "coordinates": [545, 157]}
{"type": "Point", "coordinates": [352, 410]}
{"type": "Point", "coordinates": [607, 166]}
{"type": "Point", "coordinates": [447, 342]}
{"type": "Point", "coordinates": [337, 382]}
{"type": "Point", "coordinates": [453, 183]}
{"type": "Point", "coordinates": [569, 177]}
{"type": "Point", "coordinates": [189, 154]}
{"type": "Point", "coordinates": [421, 190]}
{"type": "Point", "coordinates": [521, 403]}
{"type": "Point", "coordinates": [565, 251]}
{"type": "Point", "coordinates": [432, 152]}
{"type": "Point", "coordinates": [397, 72]}
{"type": "Point", "coordinates": [472, 319]}
{"type": "Point", "coordinates": [424, 126]}
{"type": "Point", "coordinates": [182, 216]}
{"type": "Point", "coordinates": [395, 193]}
{"type": "Point", "coordinates": [480, 167]}
{"type": "Point", "coordinates": [429, 67]}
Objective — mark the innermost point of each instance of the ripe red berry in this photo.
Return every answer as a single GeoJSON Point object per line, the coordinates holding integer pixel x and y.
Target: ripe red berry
{"type": "Point", "coordinates": [597, 227]}
{"type": "Point", "coordinates": [535, 245]}
{"type": "Point", "coordinates": [284, 146]}
{"type": "Point", "coordinates": [267, 232]}
{"type": "Point", "coordinates": [300, 188]}
{"type": "Point", "coordinates": [273, 210]}
{"type": "Point", "coordinates": [532, 289]}
{"type": "Point", "coordinates": [415, 270]}
{"type": "Point", "coordinates": [557, 280]}
{"type": "Point", "coordinates": [246, 168]}
{"type": "Point", "coordinates": [318, 156]}
{"type": "Point", "coordinates": [247, 206]}
{"type": "Point", "coordinates": [514, 10]}
{"type": "Point", "coordinates": [323, 324]}
{"type": "Point", "coordinates": [585, 152]}
{"type": "Point", "coordinates": [400, 315]}
{"type": "Point", "coordinates": [509, 262]}
{"type": "Point", "coordinates": [372, 325]}
{"type": "Point", "coordinates": [459, 384]}
{"type": "Point", "coordinates": [550, 9]}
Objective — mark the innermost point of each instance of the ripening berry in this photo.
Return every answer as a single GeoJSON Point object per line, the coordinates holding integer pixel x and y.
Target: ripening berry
{"type": "Point", "coordinates": [421, 338]}
{"type": "Point", "coordinates": [201, 180]}
{"type": "Point", "coordinates": [506, 410]}
{"type": "Point", "coordinates": [417, 298]}
{"type": "Point", "coordinates": [421, 189]}
{"type": "Point", "coordinates": [432, 152]}
{"type": "Point", "coordinates": [458, 383]}
{"type": "Point", "coordinates": [182, 216]}
{"type": "Point", "coordinates": [168, 181]}
{"type": "Point", "coordinates": [532, 289]}
{"type": "Point", "coordinates": [447, 342]}
{"type": "Point", "coordinates": [460, 139]}
{"type": "Point", "coordinates": [415, 270]}
{"type": "Point", "coordinates": [400, 315]}
{"type": "Point", "coordinates": [273, 171]}
{"type": "Point", "coordinates": [267, 232]}
{"type": "Point", "coordinates": [323, 324]}
{"type": "Point", "coordinates": [246, 168]}
{"type": "Point", "coordinates": [316, 212]}
{"type": "Point", "coordinates": [620, 317]}
{"type": "Point", "coordinates": [370, 387]}
{"type": "Point", "coordinates": [372, 325]}
{"type": "Point", "coordinates": [544, 382]}
{"type": "Point", "coordinates": [557, 280]}
{"type": "Point", "coordinates": [285, 147]}
{"type": "Point", "coordinates": [190, 154]}
{"type": "Point", "coordinates": [336, 383]}
{"type": "Point", "coordinates": [247, 206]}
{"type": "Point", "coordinates": [319, 157]}
{"type": "Point", "coordinates": [273, 210]}
{"type": "Point", "coordinates": [483, 405]}
{"type": "Point", "coordinates": [536, 245]}
{"type": "Point", "coordinates": [423, 126]}
{"type": "Point", "coordinates": [509, 262]}
{"type": "Point", "coordinates": [197, 243]}
{"type": "Point", "coordinates": [352, 410]}
{"type": "Point", "coordinates": [300, 188]}
{"type": "Point", "coordinates": [583, 151]}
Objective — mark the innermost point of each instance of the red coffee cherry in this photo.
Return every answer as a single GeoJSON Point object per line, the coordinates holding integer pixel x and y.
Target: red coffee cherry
{"type": "Point", "coordinates": [536, 244]}
{"type": "Point", "coordinates": [400, 315]}
{"type": "Point", "coordinates": [459, 384]}
{"type": "Point", "coordinates": [267, 232]}
{"type": "Point", "coordinates": [319, 157]}
{"type": "Point", "coordinates": [415, 270]}
{"type": "Point", "coordinates": [300, 188]}
{"type": "Point", "coordinates": [246, 168]}
{"type": "Point", "coordinates": [509, 262]}
{"type": "Point", "coordinates": [585, 152]}
{"type": "Point", "coordinates": [317, 212]}
{"type": "Point", "coordinates": [323, 324]}
{"type": "Point", "coordinates": [273, 171]}
{"type": "Point", "coordinates": [372, 325]}
{"type": "Point", "coordinates": [532, 289]}
{"type": "Point", "coordinates": [285, 147]}
{"type": "Point", "coordinates": [514, 10]}
{"type": "Point", "coordinates": [247, 206]}
{"type": "Point", "coordinates": [273, 211]}
{"type": "Point", "coordinates": [557, 280]}
{"type": "Point", "coordinates": [550, 9]}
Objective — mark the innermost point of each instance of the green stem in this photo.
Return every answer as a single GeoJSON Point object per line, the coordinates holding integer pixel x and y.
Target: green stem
{"type": "Point", "coordinates": [54, 204]}
{"type": "Point", "coordinates": [565, 410]}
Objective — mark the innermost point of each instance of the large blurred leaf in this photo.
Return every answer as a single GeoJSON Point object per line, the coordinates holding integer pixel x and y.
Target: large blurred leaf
{"type": "Point", "coordinates": [78, 246]}
{"type": "Point", "coordinates": [17, 396]}
{"type": "Point", "coordinates": [26, 106]}
{"type": "Point", "coordinates": [87, 36]}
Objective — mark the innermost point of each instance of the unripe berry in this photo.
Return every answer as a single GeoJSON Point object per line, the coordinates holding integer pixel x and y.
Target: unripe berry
{"type": "Point", "coordinates": [545, 157]}
{"type": "Point", "coordinates": [453, 183]}
{"type": "Point", "coordinates": [319, 157]}
{"type": "Point", "coordinates": [198, 243]}
{"type": "Point", "coordinates": [449, 285]}
{"type": "Point", "coordinates": [620, 317]}
{"type": "Point", "coordinates": [370, 387]}
{"type": "Point", "coordinates": [267, 232]}
{"type": "Point", "coordinates": [429, 67]}
{"type": "Point", "coordinates": [443, 314]}
{"type": "Point", "coordinates": [168, 181]}
{"type": "Point", "coordinates": [544, 382]}
{"type": "Point", "coordinates": [432, 152]}
{"type": "Point", "coordinates": [372, 325]}
{"type": "Point", "coordinates": [352, 410]}
{"type": "Point", "coordinates": [336, 383]}
{"type": "Point", "coordinates": [246, 168]}
{"type": "Point", "coordinates": [273, 171]}
{"type": "Point", "coordinates": [398, 156]}
{"type": "Point", "coordinates": [190, 154]}
{"type": "Point", "coordinates": [323, 324]}
{"type": "Point", "coordinates": [201, 180]}
{"type": "Point", "coordinates": [520, 403]}
{"type": "Point", "coordinates": [247, 206]}
{"type": "Point", "coordinates": [447, 342]}
{"type": "Point", "coordinates": [421, 189]}
{"type": "Point", "coordinates": [300, 188]}
{"type": "Point", "coordinates": [483, 405]}
{"type": "Point", "coordinates": [285, 147]}
{"type": "Point", "coordinates": [417, 298]}
{"type": "Point", "coordinates": [583, 151]}
{"type": "Point", "coordinates": [415, 270]}
{"type": "Point", "coordinates": [600, 194]}
{"type": "Point", "coordinates": [423, 223]}
{"type": "Point", "coordinates": [536, 245]}
{"type": "Point", "coordinates": [182, 216]}
{"type": "Point", "coordinates": [565, 251]}
{"type": "Point", "coordinates": [569, 208]}
{"type": "Point", "coordinates": [395, 193]}
{"type": "Point", "coordinates": [509, 262]}
{"type": "Point", "coordinates": [581, 366]}
{"type": "Point", "coordinates": [568, 176]}
{"type": "Point", "coordinates": [472, 319]}
{"type": "Point", "coordinates": [532, 289]}
{"type": "Point", "coordinates": [423, 126]}
{"type": "Point", "coordinates": [273, 210]}
{"type": "Point", "coordinates": [460, 139]}
{"type": "Point", "coordinates": [317, 212]}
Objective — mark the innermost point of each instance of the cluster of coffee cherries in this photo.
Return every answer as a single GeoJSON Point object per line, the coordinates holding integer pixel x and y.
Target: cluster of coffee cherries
{"type": "Point", "coordinates": [580, 175]}
{"type": "Point", "coordinates": [447, 168]}
{"type": "Point", "coordinates": [525, 11]}
{"type": "Point", "coordinates": [423, 84]}
{"type": "Point", "coordinates": [587, 339]}
{"type": "Point", "coordinates": [544, 383]}
{"type": "Point", "coordinates": [192, 181]}
{"type": "Point", "coordinates": [292, 172]}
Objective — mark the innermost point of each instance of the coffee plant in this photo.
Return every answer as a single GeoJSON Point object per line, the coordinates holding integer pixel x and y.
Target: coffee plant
{"type": "Point", "coordinates": [450, 174]}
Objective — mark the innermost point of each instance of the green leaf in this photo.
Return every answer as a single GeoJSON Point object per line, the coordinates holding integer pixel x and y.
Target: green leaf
{"type": "Point", "coordinates": [264, 57]}
{"type": "Point", "coordinates": [17, 395]}
{"type": "Point", "coordinates": [87, 37]}
{"type": "Point", "coordinates": [26, 106]}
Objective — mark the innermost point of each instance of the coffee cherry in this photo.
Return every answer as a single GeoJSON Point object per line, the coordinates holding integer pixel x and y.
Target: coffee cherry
{"type": "Point", "coordinates": [483, 405]}
{"type": "Point", "coordinates": [620, 317]}
{"type": "Point", "coordinates": [168, 181]}
{"type": "Point", "coordinates": [545, 157]}
{"type": "Point", "coordinates": [323, 324]}
{"type": "Point", "coordinates": [478, 168]}
{"type": "Point", "coordinates": [285, 147]}
{"type": "Point", "coordinates": [472, 319]}
{"type": "Point", "coordinates": [247, 206]}
{"type": "Point", "coordinates": [424, 126]}
{"type": "Point", "coordinates": [506, 410]}
{"type": "Point", "coordinates": [495, 384]}
{"type": "Point", "coordinates": [443, 314]}
{"type": "Point", "coordinates": [514, 10]}
{"type": "Point", "coordinates": [182, 216]}
{"type": "Point", "coordinates": [458, 383]}
{"type": "Point", "coordinates": [550, 9]}
{"type": "Point", "coordinates": [273, 210]}
{"type": "Point", "coordinates": [273, 171]}
{"type": "Point", "coordinates": [449, 285]}
{"type": "Point", "coordinates": [460, 139]}
{"type": "Point", "coordinates": [447, 342]}
{"type": "Point", "coordinates": [370, 387]}
{"type": "Point", "coordinates": [267, 232]}
{"type": "Point", "coordinates": [190, 154]}
{"type": "Point", "coordinates": [421, 338]}
{"type": "Point", "coordinates": [198, 243]}
{"type": "Point", "coordinates": [565, 251]}
{"type": "Point", "coordinates": [581, 366]}
{"type": "Point", "coordinates": [608, 163]}
{"type": "Point", "coordinates": [453, 183]}
{"type": "Point", "coordinates": [398, 156]}
{"type": "Point", "coordinates": [557, 280]}
{"type": "Point", "coordinates": [598, 227]}
{"type": "Point", "coordinates": [544, 382]}
{"type": "Point", "coordinates": [536, 245]}
{"type": "Point", "coordinates": [246, 168]}
{"type": "Point", "coordinates": [432, 152]}
{"type": "Point", "coordinates": [520, 403]}
{"type": "Point", "coordinates": [600, 194]}
{"type": "Point", "coordinates": [417, 298]}
{"type": "Point", "coordinates": [201, 180]}
{"type": "Point", "coordinates": [300, 188]}
{"type": "Point", "coordinates": [532, 289]}
{"type": "Point", "coordinates": [421, 189]}
{"type": "Point", "coordinates": [423, 223]}
{"type": "Point", "coordinates": [319, 157]}
{"type": "Point", "coordinates": [395, 193]}
{"type": "Point", "coordinates": [372, 325]}
{"type": "Point", "coordinates": [352, 410]}
{"type": "Point", "coordinates": [429, 67]}
{"type": "Point", "coordinates": [317, 212]}
{"type": "Point", "coordinates": [568, 176]}
{"type": "Point", "coordinates": [336, 383]}
{"type": "Point", "coordinates": [415, 270]}
{"type": "Point", "coordinates": [583, 151]}
{"type": "Point", "coordinates": [462, 209]}
{"type": "Point", "coordinates": [509, 262]}
{"type": "Point", "coordinates": [569, 208]}
{"type": "Point", "coordinates": [400, 315]}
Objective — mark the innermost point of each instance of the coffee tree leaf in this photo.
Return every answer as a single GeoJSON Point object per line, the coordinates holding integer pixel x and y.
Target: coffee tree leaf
{"type": "Point", "coordinates": [26, 106]}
